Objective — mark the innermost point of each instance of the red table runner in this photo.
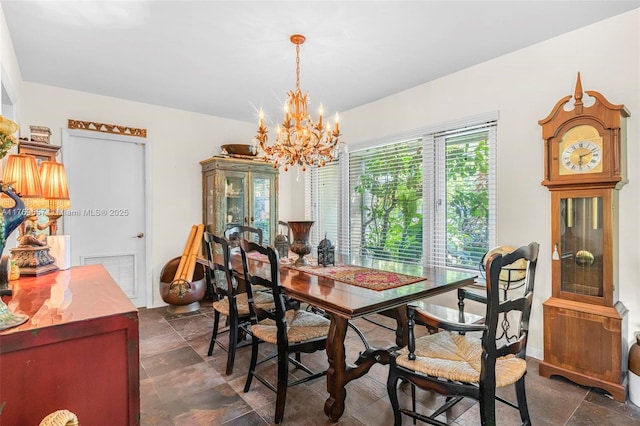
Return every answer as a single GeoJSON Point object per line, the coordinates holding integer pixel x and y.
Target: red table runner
{"type": "Point", "coordinates": [361, 276]}
{"type": "Point", "coordinates": [373, 279]}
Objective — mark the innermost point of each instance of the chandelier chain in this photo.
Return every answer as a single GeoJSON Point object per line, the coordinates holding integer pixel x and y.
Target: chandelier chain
{"type": "Point", "coordinates": [298, 66]}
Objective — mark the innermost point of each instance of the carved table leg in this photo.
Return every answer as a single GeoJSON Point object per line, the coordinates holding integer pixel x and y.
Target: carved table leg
{"type": "Point", "coordinates": [336, 373]}
{"type": "Point", "coordinates": [339, 373]}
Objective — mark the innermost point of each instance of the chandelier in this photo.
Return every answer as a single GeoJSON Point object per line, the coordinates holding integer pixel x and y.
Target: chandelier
{"type": "Point", "coordinates": [300, 141]}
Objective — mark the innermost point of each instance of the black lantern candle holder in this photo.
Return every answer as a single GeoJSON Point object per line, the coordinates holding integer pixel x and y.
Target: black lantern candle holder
{"type": "Point", "coordinates": [282, 241]}
{"type": "Point", "coordinates": [326, 253]}
{"type": "Point", "coordinates": [282, 245]}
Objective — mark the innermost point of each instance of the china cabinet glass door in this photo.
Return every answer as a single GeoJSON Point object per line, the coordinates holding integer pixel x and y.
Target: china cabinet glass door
{"type": "Point", "coordinates": [262, 209]}
{"type": "Point", "coordinates": [235, 193]}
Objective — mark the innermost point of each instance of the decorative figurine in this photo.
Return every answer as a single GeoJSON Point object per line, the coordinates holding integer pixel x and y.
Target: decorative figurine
{"type": "Point", "coordinates": [326, 252]}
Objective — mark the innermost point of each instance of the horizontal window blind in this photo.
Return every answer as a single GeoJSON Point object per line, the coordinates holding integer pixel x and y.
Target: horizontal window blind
{"type": "Point", "coordinates": [326, 205]}
{"type": "Point", "coordinates": [430, 199]}
{"type": "Point", "coordinates": [464, 196]}
{"type": "Point", "coordinates": [385, 187]}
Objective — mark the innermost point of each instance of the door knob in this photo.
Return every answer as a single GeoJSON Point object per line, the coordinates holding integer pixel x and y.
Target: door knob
{"type": "Point", "coordinates": [138, 235]}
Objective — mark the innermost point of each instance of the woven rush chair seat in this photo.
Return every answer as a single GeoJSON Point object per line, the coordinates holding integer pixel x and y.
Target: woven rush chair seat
{"type": "Point", "coordinates": [301, 326]}
{"type": "Point", "coordinates": [262, 299]}
{"type": "Point", "coordinates": [456, 357]}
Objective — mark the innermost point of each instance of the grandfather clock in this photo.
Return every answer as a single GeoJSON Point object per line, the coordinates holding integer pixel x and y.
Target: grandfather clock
{"type": "Point", "coordinates": [585, 325]}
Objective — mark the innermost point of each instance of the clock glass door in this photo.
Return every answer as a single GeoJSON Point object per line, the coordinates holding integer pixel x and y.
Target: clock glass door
{"type": "Point", "coordinates": [581, 246]}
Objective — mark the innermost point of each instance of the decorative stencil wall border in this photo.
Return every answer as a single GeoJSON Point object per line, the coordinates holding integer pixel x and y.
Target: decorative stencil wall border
{"type": "Point", "coordinates": [107, 128]}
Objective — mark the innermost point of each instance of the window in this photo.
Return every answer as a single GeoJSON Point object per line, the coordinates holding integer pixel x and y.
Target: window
{"type": "Point", "coordinates": [385, 184]}
{"type": "Point", "coordinates": [324, 205]}
{"type": "Point", "coordinates": [426, 198]}
{"type": "Point", "coordinates": [463, 197]}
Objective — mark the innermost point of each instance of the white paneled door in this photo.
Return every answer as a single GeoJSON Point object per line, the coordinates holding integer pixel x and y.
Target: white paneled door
{"type": "Point", "coordinates": [106, 222]}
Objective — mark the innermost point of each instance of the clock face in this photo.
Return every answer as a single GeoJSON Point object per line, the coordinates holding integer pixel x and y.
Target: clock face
{"type": "Point", "coordinates": [581, 157]}
{"type": "Point", "coordinates": [580, 151]}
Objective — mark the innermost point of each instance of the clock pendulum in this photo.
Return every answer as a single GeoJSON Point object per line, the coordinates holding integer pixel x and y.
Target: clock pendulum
{"type": "Point", "coordinates": [584, 257]}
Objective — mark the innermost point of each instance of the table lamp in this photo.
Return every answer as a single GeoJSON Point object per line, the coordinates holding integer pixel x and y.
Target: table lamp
{"type": "Point", "coordinates": [55, 191]}
{"type": "Point", "coordinates": [32, 254]}
{"type": "Point", "coordinates": [21, 172]}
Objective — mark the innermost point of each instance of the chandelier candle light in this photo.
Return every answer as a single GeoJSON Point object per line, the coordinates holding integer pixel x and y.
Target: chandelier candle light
{"type": "Point", "coordinates": [300, 140]}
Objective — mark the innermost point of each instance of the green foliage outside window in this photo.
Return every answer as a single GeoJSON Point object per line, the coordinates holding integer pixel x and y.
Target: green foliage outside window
{"type": "Point", "coordinates": [391, 199]}
{"type": "Point", "coordinates": [467, 200]}
{"type": "Point", "coordinates": [390, 190]}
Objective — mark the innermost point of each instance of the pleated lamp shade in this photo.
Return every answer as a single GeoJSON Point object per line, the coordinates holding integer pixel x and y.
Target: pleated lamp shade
{"type": "Point", "coordinates": [22, 172]}
{"type": "Point", "coordinates": [54, 186]}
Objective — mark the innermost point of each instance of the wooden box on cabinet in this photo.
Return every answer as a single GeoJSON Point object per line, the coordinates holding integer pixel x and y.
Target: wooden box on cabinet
{"type": "Point", "coordinates": [42, 151]}
{"type": "Point", "coordinates": [239, 191]}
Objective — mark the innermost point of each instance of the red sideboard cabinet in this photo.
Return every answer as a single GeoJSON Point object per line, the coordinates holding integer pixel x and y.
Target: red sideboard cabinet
{"type": "Point", "coordinates": [79, 350]}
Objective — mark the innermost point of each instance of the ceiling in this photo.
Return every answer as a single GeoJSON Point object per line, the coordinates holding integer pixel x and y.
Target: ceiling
{"type": "Point", "coordinates": [229, 59]}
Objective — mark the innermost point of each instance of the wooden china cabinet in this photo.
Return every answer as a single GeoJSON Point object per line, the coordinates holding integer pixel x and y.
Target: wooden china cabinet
{"type": "Point", "coordinates": [585, 323]}
{"type": "Point", "coordinates": [240, 191]}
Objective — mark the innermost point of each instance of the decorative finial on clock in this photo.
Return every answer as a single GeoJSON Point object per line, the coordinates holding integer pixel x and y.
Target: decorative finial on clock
{"type": "Point", "coordinates": [577, 95]}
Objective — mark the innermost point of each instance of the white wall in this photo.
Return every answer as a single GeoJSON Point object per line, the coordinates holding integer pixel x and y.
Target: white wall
{"type": "Point", "coordinates": [524, 86]}
{"type": "Point", "coordinates": [179, 141]}
{"type": "Point", "coordinates": [11, 77]}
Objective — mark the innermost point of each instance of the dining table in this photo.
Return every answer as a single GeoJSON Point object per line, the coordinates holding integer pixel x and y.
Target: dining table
{"type": "Point", "coordinates": [344, 295]}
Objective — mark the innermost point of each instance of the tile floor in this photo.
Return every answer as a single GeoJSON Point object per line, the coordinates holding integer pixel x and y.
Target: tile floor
{"type": "Point", "coordinates": [181, 385]}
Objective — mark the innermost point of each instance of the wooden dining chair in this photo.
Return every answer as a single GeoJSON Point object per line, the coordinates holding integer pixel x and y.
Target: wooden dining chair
{"type": "Point", "coordinates": [230, 302]}
{"type": "Point", "coordinates": [458, 363]}
{"type": "Point", "coordinates": [234, 233]}
{"type": "Point", "coordinates": [292, 331]}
